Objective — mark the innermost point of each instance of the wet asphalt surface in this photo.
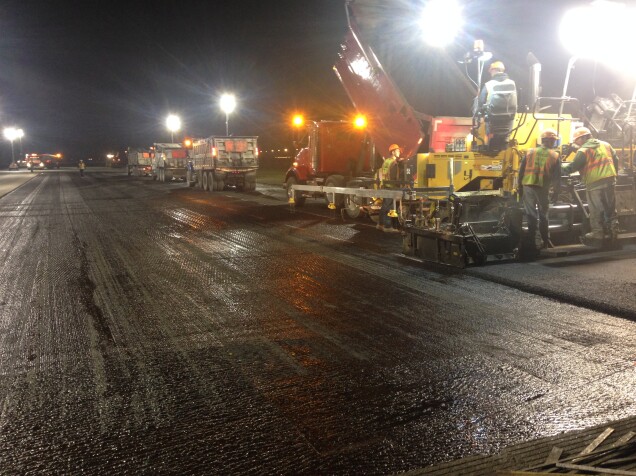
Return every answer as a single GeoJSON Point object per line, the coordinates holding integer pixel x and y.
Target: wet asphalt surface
{"type": "Point", "coordinates": [151, 328]}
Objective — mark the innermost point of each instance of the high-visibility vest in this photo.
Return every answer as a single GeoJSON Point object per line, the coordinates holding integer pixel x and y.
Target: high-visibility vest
{"type": "Point", "coordinates": [539, 163]}
{"type": "Point", "coordinates": [599, 163]}
{"type": "Point", "coordinates": [386, 169]}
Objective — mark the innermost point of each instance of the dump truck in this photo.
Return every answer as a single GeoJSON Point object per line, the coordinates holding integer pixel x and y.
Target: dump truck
{"type": "Point", "coordinates": [139, 161]}
{"type": "Point", "coordinates": [334, 154]}
{"type": "Point", "coordinates": [461, 204]}
{"type": "Point", "coordinates": [169, 161]}
{"type": "Point", "coordinates": [217, 162]}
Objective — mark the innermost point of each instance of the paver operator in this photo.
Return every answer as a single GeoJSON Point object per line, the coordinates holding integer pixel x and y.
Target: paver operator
{"type": "Point", "coordinates": [497, 103]}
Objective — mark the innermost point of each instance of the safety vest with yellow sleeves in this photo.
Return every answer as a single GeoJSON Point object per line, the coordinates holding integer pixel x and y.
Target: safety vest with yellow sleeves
{"type": "Point", "coordinates": [540, 162]}
{"type": "Point", "coordinates": [595, 161]}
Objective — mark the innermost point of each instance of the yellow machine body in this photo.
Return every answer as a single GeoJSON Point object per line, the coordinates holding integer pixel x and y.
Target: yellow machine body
{"type": "Point", "coordinates": [479, 171]}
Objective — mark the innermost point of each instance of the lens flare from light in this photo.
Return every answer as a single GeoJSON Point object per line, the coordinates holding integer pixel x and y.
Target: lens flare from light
{"type": "Point", "coordinates": [360, 122]}
{"type": "Point", "coordinates": [616, 49]}
{"type": "Point", "coordinates": [441, 22]}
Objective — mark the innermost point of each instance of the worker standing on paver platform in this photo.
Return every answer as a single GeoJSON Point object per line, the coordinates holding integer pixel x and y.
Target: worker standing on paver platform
{"type": "Point", "coordinates": [81, 167]}
{"type": "Point", "coordinates": [539, 170]}
{"type": "Point", "coordinates": [597, 162]}
{"type": "Point", "coordinates": [389, 172]}
{"type": "Point", "coordinates": [497, 103]}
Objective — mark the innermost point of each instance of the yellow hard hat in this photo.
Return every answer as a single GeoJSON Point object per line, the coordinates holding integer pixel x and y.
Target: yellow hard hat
{"type": "Point", "coordinates": [392, 147]}
{"type": "Point", "coordinates": [580, 132]}
{"type": "Point", "coordinates": [549, 134]}
{"type": "Point", "coordinates": [497, 65]}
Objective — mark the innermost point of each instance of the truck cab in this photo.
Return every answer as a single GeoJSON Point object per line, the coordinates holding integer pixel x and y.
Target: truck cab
{"type": "Point", "coordinates": [34, 162]}
{"type": "Point", "coordinates": [332, 153]}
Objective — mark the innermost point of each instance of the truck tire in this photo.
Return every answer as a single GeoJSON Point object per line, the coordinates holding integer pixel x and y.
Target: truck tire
{"type": "Point", "coordinates": [211, 182]}
{"type": "Point", "coordinates": [335, 181]}
{"type": "Point", "coordinates": [352, 203]}
{"type": "Point", "coordinates": [219, 181]}
{"type": "Point", "coordinates": [250, 182]}
{"type": "Point", "coordinates": [299, 200]}
{"type": "Point", "coordinates": [205, 184]}
{"type": "Point", "coordinates": [129, 172]}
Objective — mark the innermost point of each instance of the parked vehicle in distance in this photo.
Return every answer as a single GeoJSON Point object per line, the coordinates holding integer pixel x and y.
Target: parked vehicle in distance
{"type": "Point", "coordinates": [139, 161]}
{"type": "Point", "coordinates": [34, 162]}
{"type": "Point", "coordinates": [169, 161]}
{"type": "Point", "coordinates": [216, 162]}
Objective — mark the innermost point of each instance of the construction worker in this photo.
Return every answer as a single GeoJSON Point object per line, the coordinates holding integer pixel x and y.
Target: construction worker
{"type": "Point", "coordinates": [81, 167]}
{"type": "Point", "coordinates": [498, 105]}
{"type": "Point", "coordinates": [539, 170]}
{"type": "Point", "coordinates": [597, 163]}
{"type": "Point", "coordinates": [388, 173]}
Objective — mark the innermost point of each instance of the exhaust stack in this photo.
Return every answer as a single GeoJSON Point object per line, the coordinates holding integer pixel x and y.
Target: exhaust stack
{"type": "Point", "coordinates": [535, 80]}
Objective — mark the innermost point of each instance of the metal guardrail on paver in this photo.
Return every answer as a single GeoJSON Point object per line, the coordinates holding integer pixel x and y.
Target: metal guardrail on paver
{"type": "Point", "coordinates": [618, 458]}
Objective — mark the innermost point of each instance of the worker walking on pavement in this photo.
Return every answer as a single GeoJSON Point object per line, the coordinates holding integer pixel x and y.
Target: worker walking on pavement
{"type": "Point", "coordinates": [81, 167]}
{"type": "Point", "coordinates": [389, 173]}
{"type": "Point", "coordinates": [539, 170]}
{"type": "Point", "coordinates": [597, 163]}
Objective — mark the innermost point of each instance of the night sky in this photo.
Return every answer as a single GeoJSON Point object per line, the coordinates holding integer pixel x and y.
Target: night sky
{"type": "Point", "coordinates": [87, 78]}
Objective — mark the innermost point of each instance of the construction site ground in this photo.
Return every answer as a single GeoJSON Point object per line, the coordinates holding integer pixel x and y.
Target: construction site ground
{"type": "Point", "coordinates": [152, 328]}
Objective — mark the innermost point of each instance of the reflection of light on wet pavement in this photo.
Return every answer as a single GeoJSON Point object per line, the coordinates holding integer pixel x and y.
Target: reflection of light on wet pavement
{"type": "Point", "coordinates": [194, 220]}
{"type": "Point", "coordinates": [340, 232]}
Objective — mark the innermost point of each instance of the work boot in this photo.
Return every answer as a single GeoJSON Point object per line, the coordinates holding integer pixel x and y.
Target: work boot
{"type": "Point", "coordinates": [390, 229]}
{"type": "Point", "coordinates": [379, 227]}
{"type": "Point", "coordinates": [594, 235]}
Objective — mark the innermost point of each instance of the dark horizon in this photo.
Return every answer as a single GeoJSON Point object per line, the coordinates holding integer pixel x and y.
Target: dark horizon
{"type": "Point", "coordinates": [86, 80]}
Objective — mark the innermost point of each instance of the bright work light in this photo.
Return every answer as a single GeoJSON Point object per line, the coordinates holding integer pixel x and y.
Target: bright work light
{"type": "Point", "coordinates": [441, 22]}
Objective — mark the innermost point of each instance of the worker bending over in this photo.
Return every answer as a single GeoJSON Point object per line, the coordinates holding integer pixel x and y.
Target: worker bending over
{"type": "Point", "coordinates": [597, 163]}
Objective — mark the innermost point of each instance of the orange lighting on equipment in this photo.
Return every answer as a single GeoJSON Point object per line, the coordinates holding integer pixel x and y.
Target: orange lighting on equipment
{"type": "Point", "coordinates": [298, 120]}
{"type": "Point", "coordinates": [360, 122]}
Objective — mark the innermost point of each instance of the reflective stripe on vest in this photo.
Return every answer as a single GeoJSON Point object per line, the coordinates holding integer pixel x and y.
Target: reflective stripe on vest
{"type": "Point", "coordinates": [599, 163]}
{"type": "Point", "coordinates": [539, 163]}
{"type": "Point", "coordinates": [386, 168]}
{"type": "Point", "coordinates": [506, 94]}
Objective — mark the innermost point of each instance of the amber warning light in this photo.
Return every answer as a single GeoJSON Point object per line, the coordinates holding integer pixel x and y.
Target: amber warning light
{"type": "Point", "coordinates": [360, 122]}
